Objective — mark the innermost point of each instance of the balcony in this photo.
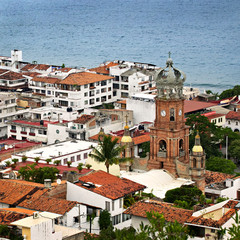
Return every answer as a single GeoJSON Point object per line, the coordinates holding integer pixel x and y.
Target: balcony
{"type": "Point", "coordinates": [32, 134]}
{"type": "Point", "coordinates": [74, 130]}
{"type": "Point", "coordinates": [22, 132]}
{"type": "Point", "coordinates": [13, 131]}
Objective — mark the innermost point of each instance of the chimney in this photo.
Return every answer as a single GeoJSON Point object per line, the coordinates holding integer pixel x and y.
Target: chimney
{"type": "Point", "coordinates": [47, 183]}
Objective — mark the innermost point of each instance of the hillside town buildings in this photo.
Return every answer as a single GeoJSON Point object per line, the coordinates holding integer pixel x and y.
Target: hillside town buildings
{"type": "Point", "coordinates": [60, 113]}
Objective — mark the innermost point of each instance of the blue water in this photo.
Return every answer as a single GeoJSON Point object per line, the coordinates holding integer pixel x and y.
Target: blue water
{"type": "Point", "coordinates": [203, 35]}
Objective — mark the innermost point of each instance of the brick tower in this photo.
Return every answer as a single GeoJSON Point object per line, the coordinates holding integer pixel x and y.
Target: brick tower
{"type": "Point", "coordinates": [169, 142]}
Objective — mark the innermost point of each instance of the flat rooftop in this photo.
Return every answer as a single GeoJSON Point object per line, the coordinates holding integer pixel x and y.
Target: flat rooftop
{"type": "Point", "coordinates": [60, 149]}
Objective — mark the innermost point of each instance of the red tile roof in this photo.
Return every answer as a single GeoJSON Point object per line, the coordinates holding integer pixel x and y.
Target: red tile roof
{"type": "Point", "coordinates": [231, 204]}
{"type": "Point", "coordinates": [83, 119]}
{"type": "Point", "coordinates": [44, 203]}
{"type": "Point", "coordinates": [83, 78]}
{"type": "Point", "coordinates": [109, 185]}
{"type": "Point", "coordinates": [137, 140]}
{"type": "Point", "coordinates": [12, 192]}
{"type": "Point", "coordinates": [9, 75]}
{"type": "Point", "coordinates": [30, 67]}
{"type": "Point", "coordinates": [233, 115]}
{"type": "Point", "coordinates": [214, 115]}
{"type": "Point", "coordinates": [31, 74]}
{"type": "Point", "coordinates": [61, 168]}
{"type": "Point", "coordinates": [103, 69]}
{"type": "Point", "coordinates": [170, 213]}
{"type": "Point", "coordinates": [213, 177]}
{"type": "Point", "coordinates": [45, 123]}
{"type": "Point", "coordinates": [18, 210]}
{"type": "Point", "coordinates": [46, 80]}
{"type": "Point", "coordinates": [192, 106]}
{"type": "Point", "coordinates": [7, 216]}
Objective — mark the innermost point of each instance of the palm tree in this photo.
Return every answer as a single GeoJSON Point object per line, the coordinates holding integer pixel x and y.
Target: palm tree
{"type": "Point", "coordinates": [80, 167]}
{"type": "Point", "coordinates": [108, 151]}
{"type": "Point", "coordinates": [48, 160]}
{"type": "Point", "coordinates": [37, 159]}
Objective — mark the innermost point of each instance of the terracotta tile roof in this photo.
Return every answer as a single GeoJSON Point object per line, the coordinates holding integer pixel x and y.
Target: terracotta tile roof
{"type": "Point", "coordinates": [192, 106]}
{"type": "Point", "coordinates": [212, 177]}
{"type": "Point", "coordinates": [103, 69]}
{"type": "Point", "coordinates": [18, 210]}
{"type": "Point", "coordinates": [216, 115]}
{"type": "Point", "coordinates": [83, 119]}
{"type": "Point", "coordinates": [137, 140]}
{"type": "Point", "coordinates": [9, 75]}
{"type": "Point", "coordinates": [231, 204]}
{"type": "Point", "coordinates": [208, 222]}
{"type": "Point", "coordinates": [46, 80]}
{"type": "Point", "coordinates": [233, 115]}
{"type": "Point", "coordinates": [66, 69]}
{"type": "Point", "coordinates": [169, 212]}
{"type": "Point", "coordinates": [31, 74]}
{"type": "Point", "coordinates": [12, 192]}
{"type": "Point", "coordinates": [30, 67]}
{"type": "Point", "coordinates": [8, 216]}
{"type": "Point", "coordinates": [109, 185]}
{"type": "Point", "coordinates": [83, 78]}
{"type": "Point", "coordinates": [49, 204]}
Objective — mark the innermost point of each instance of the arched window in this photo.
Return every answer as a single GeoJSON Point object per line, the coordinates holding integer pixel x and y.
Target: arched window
{"type": "Point", "coordinates": [162, 146]}
{"type": "Point", "coordinates": [181, 145]}
{"type": "Point", "coordinates": [194, 162]}
{"type": "Point", "coordinates": [172, 114]}
{"type": "Point", "coordinates": [202, 163]}
{"type": "Point", "coordinates": [236, 130]}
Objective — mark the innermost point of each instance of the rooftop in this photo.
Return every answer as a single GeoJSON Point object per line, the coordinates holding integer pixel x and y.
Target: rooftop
{"type": "Point", "coordinates": [170, 213]}
{"type": "Point", "coordinates": [30, 67]}
{"type": "Point", "coordinates": [83, 78]}
{"type": "Point", "coordinates": [193, 106]}
{"type": "Point", "coordinates": [83, 119]}
{"type": "Point", "coordinates": [9, 75]}
{"type": "Point", "coordinates": [34, 123]}
{"type": "Point", "coordinates": [46, 79]}
{"type": "Point", "coordinates": [213, 177]}
{"type": "Point", "coordinates": [103, 69]}
{"type": "Point", "coordinates": [109, 185]}
{"type": "Point", "coordinates": [44, 203]}
{"type": "Point", "coordinates": [60, 149]}
{"type": "Point", "coordinates": [233, 115]}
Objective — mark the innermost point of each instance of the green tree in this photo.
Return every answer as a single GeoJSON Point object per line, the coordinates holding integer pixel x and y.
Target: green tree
{"type": "Point", "coordinates": [234, 150]}
{"type": "Point", "coordinates": [209, 133]}
{"type": "Point", "coordinates": [108, 151]}
{"type": "Point", "coordinates": [8, 163]}
{"type": "Point", "coordinates": [230, 92]}
{"type": "Point", "coordinates": [218, 164]}
{"type": "Point", "coordinates": [24, 158]}
{"type": "Point", "coordinates": [188, 195]}
{"type": "Point", "coordinates": [15, 160]}
{"type": "Point", "coordinates": [37, 159]}
{"type": "Point", "coordinates": [145, 149]}
{"type": "Point", "coordinates": [57, 162]}
{"type": "Point", "coordinates": [48, 160]}
{"type": "Point", "coordinates": [80, 167]}
{"type": "Point", "coordinates": [69, 163]}
{"type": "Point", "coordinates": [88, 166]}
{"type": "Point", "coordinates": [234, 230]}
{"type": "Point", "coordinates": [31, 173]}
{"type": "Point", "coordinates": [104, 219]}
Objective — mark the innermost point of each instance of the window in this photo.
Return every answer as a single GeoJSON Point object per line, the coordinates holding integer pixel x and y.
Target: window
{"type": "Point", "coordinates": [120, 202]}
{"type": "Point", "coordinates": [23, 129]}
{"type": "Point", "coordinates": [116, 219]}
{"type": "Point", "coordinates": [49, 92]}
{"type": "Point", "coordinates": [109, 81]}
{"type": "Point", "coordinates": [97, 99]}
{"type": "Point", "coordinates": [236, 123]}
{"type": "Point", "coordinates": [85, 94]}
{"type": "Point", "coordinates": [98, 91]}
{"type": "Point", "coordinates": [109, 96]}
{"type": "Point", "coordinates": [194, 162]}
{"type": "Point", "coordinates": [212, 230]}
{"type": "Point", "coordinates": [76, 219]}
{"type": "Point", "coordinates": [13, 127]}
{"type": "Point", "coordinates": [125, 217]}
{"type": "Point", "coordinates": [85, 155]}
{"type": "Point", "coordinates": [78, 157]}
{"type": "Point", "coordinates": [229, 122]}
{"type": "Point", "coordinates": [65, 161]}
{"type": "Point", "coordinates": [72, 159]}
{"type": "Point", "coordinates": [12, 100]}
{"type": "Point", "coordinates": [112, 205]}
{"type": "Point", "coordinates": [107, 206]}
{"type": "Point", "coordinates": [86, 102]}
{"type": "Point", "coordinates": [172, 114]}
{"type": "Point", "coordinates": [86, 85]}
{"type": "Point", "coordinates": [32, 130]}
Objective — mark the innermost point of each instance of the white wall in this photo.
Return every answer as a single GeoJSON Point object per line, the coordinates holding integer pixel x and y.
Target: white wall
{"type": "Point", "coordinates": [56, 132]}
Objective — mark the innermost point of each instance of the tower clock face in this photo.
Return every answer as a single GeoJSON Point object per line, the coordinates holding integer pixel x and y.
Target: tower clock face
{"type": "Point", "coordinates": [163, 113]}
{"type": "Point", "coordinates": [180, 112]}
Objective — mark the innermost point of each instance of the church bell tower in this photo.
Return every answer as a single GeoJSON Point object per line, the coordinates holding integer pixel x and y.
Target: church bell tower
{"type": "Point", "coordinates": [169, 142]}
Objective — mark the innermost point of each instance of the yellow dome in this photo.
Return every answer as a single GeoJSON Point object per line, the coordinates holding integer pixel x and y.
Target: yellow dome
{"type": "Point", "coordinates": [126, 139]}
{"type": "Point", "coordinates": [197, 149]}
{"type": "Point", "coordinates": [126, 127]}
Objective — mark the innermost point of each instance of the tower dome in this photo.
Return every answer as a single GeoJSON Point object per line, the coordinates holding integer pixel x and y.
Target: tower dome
{"type": "Point", "coordinates": [169, 81]}
{"type": "Point", "coordinates": [197, 148]}
{"type": "Point", "coordinates": [126, 136]}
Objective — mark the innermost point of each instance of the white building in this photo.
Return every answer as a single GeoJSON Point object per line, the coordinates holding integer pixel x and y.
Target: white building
{"type": "Point", "coordinates": [77, 91]}
{"type": "Point", "coordinates": [8, 111]}
{"type": "Point", "coordinates": [105, 191]}
{"type": "Point", "coordinates": [42, 226]}
{"type": "Point", "coordinates": [75, 151]}
{"type": "Point", "coordinates": [226, 189]}
{"type": "Point", "coordinates": [233, 121]}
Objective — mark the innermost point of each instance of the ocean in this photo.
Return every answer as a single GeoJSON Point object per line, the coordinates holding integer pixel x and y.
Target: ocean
{"type": "Point", "coordinates": [203, 36]}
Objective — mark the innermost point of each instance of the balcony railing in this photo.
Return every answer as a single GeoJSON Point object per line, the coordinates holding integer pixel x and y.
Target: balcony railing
{"type": "Point", "coordinates": [32, 134]}
{"type": "Point", "coordinates": [13, 131]}
{"type": "Point", "coordinates": [23, 132]}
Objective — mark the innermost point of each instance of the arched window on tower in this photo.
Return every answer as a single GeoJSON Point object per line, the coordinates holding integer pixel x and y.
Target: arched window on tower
{"type": "Point", "coordinates": [181, 149]}
{"type": "Point", "coordinates": [194, 162]}
{"type": "Point", "coordinates": [162, 146]}
{"type": "Point", "coordinates": [202, 163]}
{"type": "Point", "coordinates": [172, 114]}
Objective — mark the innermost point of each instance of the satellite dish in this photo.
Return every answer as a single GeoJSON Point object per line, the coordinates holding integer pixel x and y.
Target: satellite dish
{"type": "Point", "coordinates": [59, 181]}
